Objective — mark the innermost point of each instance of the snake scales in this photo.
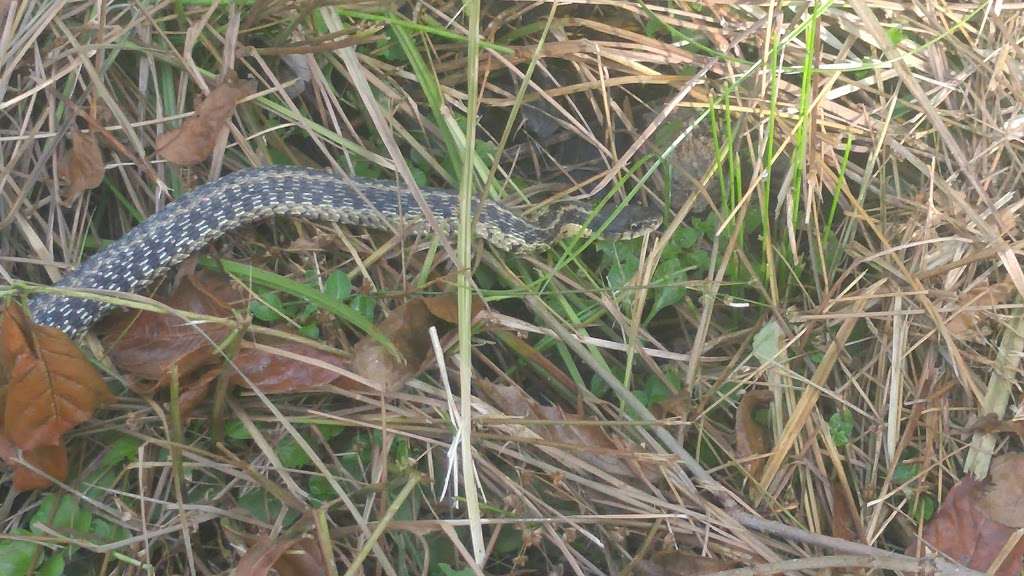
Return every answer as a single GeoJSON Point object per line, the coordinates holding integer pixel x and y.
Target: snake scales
{"type": "Point", "coordinates": [196, 219]}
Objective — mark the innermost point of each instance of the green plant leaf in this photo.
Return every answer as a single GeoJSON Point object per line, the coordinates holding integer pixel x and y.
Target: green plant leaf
{"type": "Point", "coordinates": [670, 289]}
{"type": "Point", "coordinates": [52, 566]}
{"type": "Point", "coordinates": [265, 507]}
{"type": "Point", "coordinates": [125, 448]}
{"type": "Point", "coordinates": [61, 513]}
{"type": "Point", "coordinates": [291, 454]}
{"type": "Point", "coordinates": [311, 331]}
{"type": "Point", "coordinates": [904, 473]}
{"type": "Point", "coordinates": [364, 305]}
{"type": "Point", "coordinates": [338, 285]}
{"type": "Point", "coordinates": [924, 508]}
{"type": "Point", "coordinates": [321, 489]}
{"type": "Point", "coordinates": [447, 570]}
{"type": "Point", "coordinates": [16, 557]}
{"type": "Point", "coordinates": [104, 532]}
{"type": "Point", "coordinates": [274, 281]}
{"type": "Point", "coordinates": [235, 430]}
{"type": "Point", "coordinates": [267, 308]}
{"type": "Point", "coordinates": [840, 426]}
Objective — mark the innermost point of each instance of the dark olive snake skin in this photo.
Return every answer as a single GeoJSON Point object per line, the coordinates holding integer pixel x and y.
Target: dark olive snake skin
{"type": "Point", "coordinates": [196, 219]}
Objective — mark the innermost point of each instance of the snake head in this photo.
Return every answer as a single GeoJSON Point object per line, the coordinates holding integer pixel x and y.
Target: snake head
{"type": "Point", "coordinates": [611, 222]}
{"type": "Point", "coordinates": [629, 221]}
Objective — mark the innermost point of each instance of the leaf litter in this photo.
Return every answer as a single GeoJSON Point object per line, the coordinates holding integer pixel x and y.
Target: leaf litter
{"type": "Point", "coordinates": [196, 138]}
{"type": "Point", "coordinates": [978, 518]}
{"type": "Point", "coordinates": [47, 388]}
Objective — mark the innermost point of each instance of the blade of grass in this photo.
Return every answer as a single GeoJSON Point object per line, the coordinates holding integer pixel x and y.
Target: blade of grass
{"type": "Point", "coordinates": [464, 282]}
{"type": "Point", "coordinates": [252, 275]}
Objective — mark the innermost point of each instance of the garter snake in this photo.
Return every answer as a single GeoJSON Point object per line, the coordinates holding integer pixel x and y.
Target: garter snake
{"type": "Point", "coordinates": [187, 225]}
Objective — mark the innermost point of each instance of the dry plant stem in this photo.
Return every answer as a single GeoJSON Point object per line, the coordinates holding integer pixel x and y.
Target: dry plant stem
{"type": "Point", "coordinates": [990, 235]}
{"type": "Point", "coordinates": [997, 395]}
{"type": "Point", "coordinates": [704, 479]}
{"type": "Point", "coordinates": [903, 564]}
{"type": "Point", "coordinates": [464, 282]}
{"type": "Point", "coordinates": [782, 531]}
{"type": "Point", "coordinates": [358, 76]}
{"type": "Point", "coordinates": [731, 515]}
{"type": "Point", "coordinates": [176, 434]}
{"type": "Point", "coordinates": [323, 539]}
{"type": "Point", "coordinates": [809, 399]}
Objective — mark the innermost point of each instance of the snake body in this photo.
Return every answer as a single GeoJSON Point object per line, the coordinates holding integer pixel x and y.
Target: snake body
{"type": "Point", "coordinates": [187, 225]}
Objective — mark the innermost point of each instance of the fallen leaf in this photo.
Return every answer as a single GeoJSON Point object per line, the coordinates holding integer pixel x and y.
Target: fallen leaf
{"type": "Point", "coordinates": [51, 388]}
{"type": "Point", "coordinates": [290, 557]}
{"type": "Point", "coordinates": [677, 563]}
{"type": "Point", "coordinates": [289, 367]}
{"type": "Point", "coordinates": [751, 437]}
{"type": "Point", "coordinates": [1003, 500]}
{"type": "Point", "coordinates": [261, 556]}
{"type": "Point", "coordinates": [82, 166]}
{"type": "Point", "coordinates": [195, 390]}
{"type": "Point", "coordinates": [146, 344]}
{"type": "Point", "coordinates": [971, 323]}
{"type": "Point", "coordinates": [845, 520]}
{"type": "Point", "coordinates": [194, 141]}
{"type": "Point", "coordinates": [50, 459]}
{"type": "Point", "coordinates": [963, 530]}
{"type": "Point", "coordinates": [302, 559]}
{"type": "Point", "coordinates": [595, 446]}
{"type": "Point", "coordinates": [445, 307]}
{"type": "Point", "coordinates": [408, 330]}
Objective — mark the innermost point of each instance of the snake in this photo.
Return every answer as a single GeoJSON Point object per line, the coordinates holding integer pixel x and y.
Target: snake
{"type": "Point", "coordinates": [188, 224]}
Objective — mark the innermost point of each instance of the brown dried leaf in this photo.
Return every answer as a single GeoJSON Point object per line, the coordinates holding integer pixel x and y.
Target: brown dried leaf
{"type": "Point", "coordinates": [844, 518]}
{"type": "Point", "coordinates": [50, 459]}
{"type": "Point", "coordinates": [676, 563]}
{"type": "Point", "coordinates": [262, 555]}
{"type": "Point", "coordinates": [195, 390]}
{"type": "Point", "coordinates": [302, 559]}
{"type": "Point", "coordinates": [297, 368]}
{"type": "Point", "coordinates": [751, 437]}
{"type": "Point", "coordinates": [971, 324]}
{"type": "Point", "coordinates": [147, 344]}
{"type": "Point", "coordinates": [962, 530]}
{"type": "Point", "coordinates": [194, 141]}
{"type": "Point", "coordinates": [596, 447]}
{"type": "Point", "coordinates": [1003, 501]}
{"type": "Point", "coordinates": [52, 387]}
{"type": "Point", "coordinates": [446, 307]}
{"type": "Point", "coordinates": [406, 328]}
{"type": "Point", "coordinates": [82, 166]}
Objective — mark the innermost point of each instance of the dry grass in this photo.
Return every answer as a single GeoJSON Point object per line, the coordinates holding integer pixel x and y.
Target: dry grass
{"type": "Point", "coordinates": [850, 169]}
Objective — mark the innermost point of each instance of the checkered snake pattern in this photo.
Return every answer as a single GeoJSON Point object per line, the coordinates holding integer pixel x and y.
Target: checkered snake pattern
{"type": "Point", "coordinates": [187, 225]}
